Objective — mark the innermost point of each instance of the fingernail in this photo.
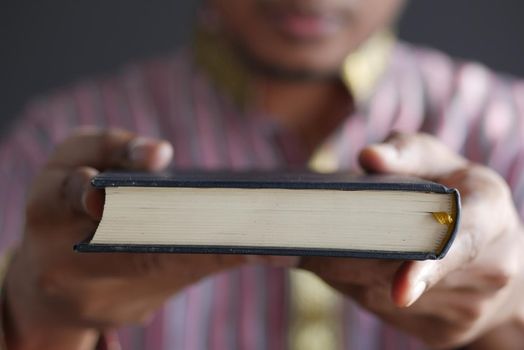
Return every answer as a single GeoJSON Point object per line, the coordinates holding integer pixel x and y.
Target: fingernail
{"type": "Point", "coordinates": [93, 203]}
{"type": "Point", "coordinates": [416, 292]}
{"type": "Point", "coordinates": [163, 156]}
{"type": "Point", "coordinates": [387, 151]}
{"type": "Point", "coordinates": [138, 149]}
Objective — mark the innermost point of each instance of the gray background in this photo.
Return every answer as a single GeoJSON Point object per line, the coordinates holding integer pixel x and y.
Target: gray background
{"type": "Point", "coordinates": [46, 44]}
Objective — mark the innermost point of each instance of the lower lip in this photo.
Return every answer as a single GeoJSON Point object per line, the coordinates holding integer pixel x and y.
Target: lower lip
{"type": "Point", "coordinates": [307, 27]}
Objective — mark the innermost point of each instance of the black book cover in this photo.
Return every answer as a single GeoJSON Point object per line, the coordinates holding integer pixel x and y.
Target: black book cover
{"type": "Point", "coordinates": [342, 181]}
{"type": "Point", "coordinates": [261, 179]}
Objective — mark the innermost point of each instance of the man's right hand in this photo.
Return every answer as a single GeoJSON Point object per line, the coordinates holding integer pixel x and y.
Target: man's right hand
{"type": "Point", "coordinates": [59, 299]}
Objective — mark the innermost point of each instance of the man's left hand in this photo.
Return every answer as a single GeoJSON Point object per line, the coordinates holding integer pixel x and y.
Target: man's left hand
{"type": "Point", "coordinates": [476, 288]}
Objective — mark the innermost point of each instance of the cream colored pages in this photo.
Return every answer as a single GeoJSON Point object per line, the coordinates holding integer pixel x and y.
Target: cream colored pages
{"type": "Point", "coordinates": [326, 219]}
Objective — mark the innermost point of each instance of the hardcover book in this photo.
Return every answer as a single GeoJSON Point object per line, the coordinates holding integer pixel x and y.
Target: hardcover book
{"type": "Point", "coordinates": [277, 213]}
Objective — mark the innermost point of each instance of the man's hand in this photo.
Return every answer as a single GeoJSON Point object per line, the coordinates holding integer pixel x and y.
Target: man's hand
{"type": "Point", "coordinates": [476, 287]}
{"type": "Point", "coordinates": [59, 299]}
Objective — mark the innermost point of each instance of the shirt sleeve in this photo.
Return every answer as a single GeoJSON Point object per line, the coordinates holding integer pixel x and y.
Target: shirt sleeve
{"type": "Point", "coordinates": [477, 113]}
{"type": "Point", "coordinates": [515, 174]}
{"type": "Point", "coordinates": [45, 122]}
{"type": "Point", "coordinates": [24, 148]}
{"type": "Point", "coordinates": [502, 128]}
{"type": "Point", "coordinates": [4, 261]}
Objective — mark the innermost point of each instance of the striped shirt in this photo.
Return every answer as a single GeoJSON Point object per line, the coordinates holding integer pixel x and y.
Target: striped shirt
{"type": "Point", "coordinates": [472, 110]}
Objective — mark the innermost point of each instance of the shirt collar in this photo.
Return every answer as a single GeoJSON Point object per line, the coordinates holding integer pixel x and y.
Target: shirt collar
{"type": "Point", "coordinates": [360, 71]}
{"type": "Point", "coordinates": [363, 67]}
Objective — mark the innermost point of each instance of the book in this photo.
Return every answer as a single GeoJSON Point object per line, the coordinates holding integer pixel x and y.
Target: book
{"type": "Point", "coordinates": [277, 213]}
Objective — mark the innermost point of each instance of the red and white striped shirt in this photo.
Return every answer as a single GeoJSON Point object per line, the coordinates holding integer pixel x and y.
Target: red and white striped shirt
{"type": "Point", "coordinates": [474, 111]}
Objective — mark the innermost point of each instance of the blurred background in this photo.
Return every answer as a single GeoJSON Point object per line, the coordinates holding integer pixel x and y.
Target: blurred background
{"type": "Point", "coordinates": [48, 44]}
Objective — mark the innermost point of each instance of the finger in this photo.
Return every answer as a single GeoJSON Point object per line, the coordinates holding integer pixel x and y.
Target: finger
{"type": "Point", "coordinates": [480, 230]}
{"type": "Point", "coordinates": [112, 149]}
{"type": "Point", "coordinates": [457, 305]}
{"type": "Point", "coordinates": [416, 277]}
{"type": "Point", "coordinates": [149, 154]}
{"type": "Point", "coordinates": [376, 299]}
{"type": "Point", "coordinates": [418, 155]}
{"type": "Point", "coordinates": [60, 193]}
{"type": "Point", "coordinates": [273, 260]}
{"type": "Point", "coordinates": [360, 272]}
{"type": "Point", "coordinates": [155, 270]}
{"type": "Point", "coordinates": [161, 267]}
{"type": "Point", "coordinates": [80, 196]}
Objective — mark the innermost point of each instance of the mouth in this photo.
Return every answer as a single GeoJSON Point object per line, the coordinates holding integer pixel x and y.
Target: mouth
{"type": "Point", "coordinates": [304, 24]}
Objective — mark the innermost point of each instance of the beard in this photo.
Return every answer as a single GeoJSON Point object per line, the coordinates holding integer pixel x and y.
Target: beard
{"type": "Point", "coordinates": [276, 71]}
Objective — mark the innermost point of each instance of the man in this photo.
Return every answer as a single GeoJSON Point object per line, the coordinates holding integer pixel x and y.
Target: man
{"type": "Point", "coordinates": [270, 84]}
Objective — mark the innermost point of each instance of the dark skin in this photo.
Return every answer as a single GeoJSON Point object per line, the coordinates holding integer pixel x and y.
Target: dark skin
{"type": "Point", "coordinates": [56, 299]}
{"type": "Point", "coordinates": [475, 292]}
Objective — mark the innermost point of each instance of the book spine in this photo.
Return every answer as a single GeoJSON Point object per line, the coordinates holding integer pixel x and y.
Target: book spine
{"type": "Point", "coordinates": [365, 254]}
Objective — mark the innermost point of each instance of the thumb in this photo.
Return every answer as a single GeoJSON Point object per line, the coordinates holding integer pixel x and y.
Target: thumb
{"type": "Point", "coordinates": [414, 278]}
{"type": "Point", "coordinates": [419, 155]}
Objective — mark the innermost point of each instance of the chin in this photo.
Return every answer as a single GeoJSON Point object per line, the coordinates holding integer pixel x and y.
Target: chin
{"type": "Point", "coordinates": [314, 63]}
{"type": "Point", "coordinates": [317, 56]}
{"type": "Point", "coordinates": [317, 63]}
